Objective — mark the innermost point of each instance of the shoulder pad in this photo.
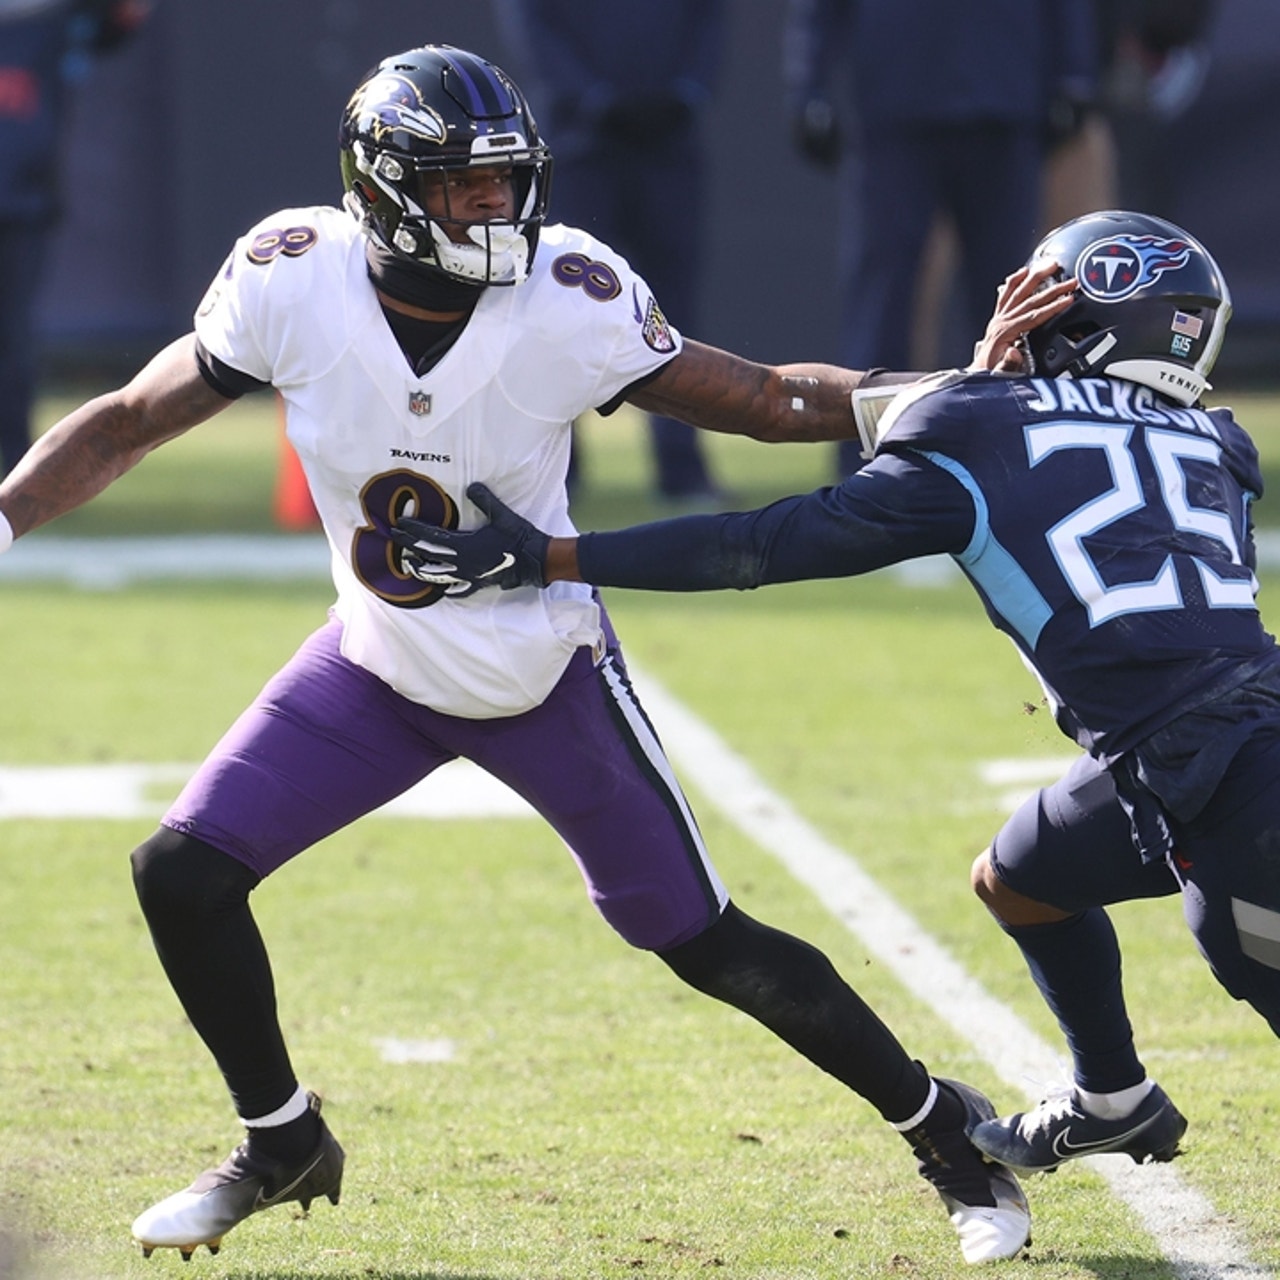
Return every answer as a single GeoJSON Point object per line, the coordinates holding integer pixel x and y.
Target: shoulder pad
{"type": "Point", "coordinates": [920, 409]}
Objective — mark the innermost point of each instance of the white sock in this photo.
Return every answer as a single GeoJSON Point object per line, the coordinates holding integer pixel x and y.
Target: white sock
{"type": "Point", "coordinates": [295, 1107]}
{"type": "Point", "coordinates": [903, 1126]}
{"type": "Point", "coordinates": [1114, 1106]}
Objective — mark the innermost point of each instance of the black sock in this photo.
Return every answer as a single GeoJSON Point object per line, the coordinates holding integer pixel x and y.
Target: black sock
{"type": "Point", "coordinates": [196, 903]}
{"type": "Point", "coordinates": [290, 1143]}
{"type": "Point", "coordinates": [945, 1156]}
{"type": "Point", "coordinates": [793, 989]}
{"type": "Point", "coordinates": [1076, 964]}
{"type": "Point", "coordinates": [947, 1115]}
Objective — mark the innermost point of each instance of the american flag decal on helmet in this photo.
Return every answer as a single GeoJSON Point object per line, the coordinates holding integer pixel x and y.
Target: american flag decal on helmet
{"type": "Point", "coordinates": [1190, 325]}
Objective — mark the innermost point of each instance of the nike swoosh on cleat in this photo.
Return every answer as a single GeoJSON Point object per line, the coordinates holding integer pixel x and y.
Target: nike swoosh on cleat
{"type": "Point", "coordinates": [1065, 1148]}
{"type": "Point", "coordinates": [265, 1202]}
{"type": "Point", "coordinates": [505, 563]}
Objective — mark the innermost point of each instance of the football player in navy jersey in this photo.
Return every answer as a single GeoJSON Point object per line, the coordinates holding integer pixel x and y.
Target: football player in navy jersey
{"type": "Point", "coordinates": [1103, 516]}
{"type": "Point", "coordinates": [434, 333]}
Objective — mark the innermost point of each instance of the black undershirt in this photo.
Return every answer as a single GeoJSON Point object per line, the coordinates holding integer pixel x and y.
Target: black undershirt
{"type": "Point", "coordinates": [424, 342]}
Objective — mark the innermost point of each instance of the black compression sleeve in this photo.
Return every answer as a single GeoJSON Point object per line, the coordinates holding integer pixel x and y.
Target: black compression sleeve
{"type": "Point", "coordinates": [686, 554]}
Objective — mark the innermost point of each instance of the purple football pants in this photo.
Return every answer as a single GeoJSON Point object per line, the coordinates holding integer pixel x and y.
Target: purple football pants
{"type": "Point", "coordinates": [326, 742]}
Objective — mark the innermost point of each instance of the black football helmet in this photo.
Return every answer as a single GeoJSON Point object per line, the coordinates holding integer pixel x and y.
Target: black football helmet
{"type": "Point", "coordinates": [1152, 306]}
{"type": "Point", "coordinates": [425, 111]}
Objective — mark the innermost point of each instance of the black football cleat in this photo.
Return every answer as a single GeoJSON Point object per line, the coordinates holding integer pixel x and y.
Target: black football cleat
{"type": "Point", "coordinates": [1059, 1129]}
{"type": "Point", "coordinates": [984, 1201]}
{"type": "Point", "coordinates": [242, 1185]}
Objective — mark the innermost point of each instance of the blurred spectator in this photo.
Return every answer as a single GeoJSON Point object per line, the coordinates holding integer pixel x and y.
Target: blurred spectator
{"type": "Point", "coordinates": [45, 47]}
{"type": "Point", "coordinates": [949, 109]}
{"type": "Point", "coordinates": [623, 88]}
{"type": "Point", "coordinates": [1155, 56]}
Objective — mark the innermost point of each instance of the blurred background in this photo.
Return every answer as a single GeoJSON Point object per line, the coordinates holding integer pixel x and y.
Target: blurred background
{"type": "Point", "coordinates": [219, 111]}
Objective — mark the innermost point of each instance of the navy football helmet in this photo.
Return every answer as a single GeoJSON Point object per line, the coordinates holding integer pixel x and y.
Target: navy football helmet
{"type": "Point", "coordinates": [1152, 306]}
{"type": "Point", "coordinates": [421, 113]}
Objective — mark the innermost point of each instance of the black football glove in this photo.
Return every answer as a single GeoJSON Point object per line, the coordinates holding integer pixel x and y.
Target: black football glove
{"type": "Point", "coordinates": [507, 552]}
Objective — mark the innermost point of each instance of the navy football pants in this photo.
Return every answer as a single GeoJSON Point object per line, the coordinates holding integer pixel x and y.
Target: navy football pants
{"type": "Point", "coordinates": [1071, 846]}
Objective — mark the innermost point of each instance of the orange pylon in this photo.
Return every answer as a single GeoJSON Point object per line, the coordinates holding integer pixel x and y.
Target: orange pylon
{"type": "Point", "coordinates": [293, 507]}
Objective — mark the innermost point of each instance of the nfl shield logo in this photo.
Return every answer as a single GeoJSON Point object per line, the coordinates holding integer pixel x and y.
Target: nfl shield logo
{"type": "Point", "coordinates": [419, 403]}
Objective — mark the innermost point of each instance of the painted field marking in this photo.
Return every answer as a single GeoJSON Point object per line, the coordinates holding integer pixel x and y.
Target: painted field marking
{"type": "Point", "coordinates": [1198, 1241]}
{"type": "Point", "coordinates": [455, 790]}
{"type": "Point", "coordinates": [458, 790]}
{"type": "Point", "coordinates": [402, 1052]}
{"type": "Point", "coordinates": [1016, 778]}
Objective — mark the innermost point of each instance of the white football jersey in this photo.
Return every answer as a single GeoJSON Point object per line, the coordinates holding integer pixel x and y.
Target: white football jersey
{"type": "Point", "coordinates": [293, 306]}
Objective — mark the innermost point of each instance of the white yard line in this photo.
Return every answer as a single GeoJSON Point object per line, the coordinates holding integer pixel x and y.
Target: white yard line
{"type": "Point", "coordinates": [456, 790]}
{"type": "Point", "coordinates": [108, 563]}
{"type": "Point", "coordinates": [1199, 1242]}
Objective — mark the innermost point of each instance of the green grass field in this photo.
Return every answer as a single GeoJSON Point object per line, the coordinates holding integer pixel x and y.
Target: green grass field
{"type": "Point", "coordinates": [597, 1120]}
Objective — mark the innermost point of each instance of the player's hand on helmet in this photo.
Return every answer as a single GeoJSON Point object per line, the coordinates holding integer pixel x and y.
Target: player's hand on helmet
{"type": "Point", "coordinates": [816, 133]}
{"type": "Point", "coordinates": [507, 552]}
{"type": "Point", "coordinates": [1024, 301]}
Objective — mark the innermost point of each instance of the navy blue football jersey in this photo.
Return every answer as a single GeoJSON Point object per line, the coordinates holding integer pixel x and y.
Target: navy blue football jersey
{"type": "Point", "coordinates": [1106, 530]}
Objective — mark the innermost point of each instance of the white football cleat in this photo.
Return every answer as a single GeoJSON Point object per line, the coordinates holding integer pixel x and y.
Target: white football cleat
{"type": "Point", "coordinates": [243, 1184]}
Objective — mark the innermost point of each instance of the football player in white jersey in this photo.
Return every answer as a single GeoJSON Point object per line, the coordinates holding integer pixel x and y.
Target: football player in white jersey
{"type": "Point", "coordinates": [430, 334]}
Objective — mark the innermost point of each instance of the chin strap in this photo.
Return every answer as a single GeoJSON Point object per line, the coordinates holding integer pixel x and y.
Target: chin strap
{"type": "Point", "coordinates": [1082, 358]}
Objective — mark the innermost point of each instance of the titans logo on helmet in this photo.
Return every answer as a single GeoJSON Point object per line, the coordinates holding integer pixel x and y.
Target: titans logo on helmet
{"type": "Point", "coordinates": [1113, 269]}
{"type": "Point", "coordinates": [392, 102]}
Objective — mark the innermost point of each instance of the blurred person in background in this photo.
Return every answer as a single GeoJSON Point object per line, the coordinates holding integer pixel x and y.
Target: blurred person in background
{"type": "Point", "coordinates": [946, 109]}
{"type": "Point", "coordinates": [622, 90]}
{"type": "Point", "coordinates": [1155, 57]}
{"type": "Point", "coordinates": [45, 50]}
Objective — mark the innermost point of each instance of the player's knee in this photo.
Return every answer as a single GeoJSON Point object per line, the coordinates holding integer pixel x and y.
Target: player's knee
{"type": "Point", "coordinates": [1008, 905]}
{"type": "Point", "coordinates": [748, 964]}
{"type": "Point", "coordinates": [983, 880]}
{"type": "Point", "coordinates": [177, 874]}
{"type": "Point", "coordinates": [701, 960]}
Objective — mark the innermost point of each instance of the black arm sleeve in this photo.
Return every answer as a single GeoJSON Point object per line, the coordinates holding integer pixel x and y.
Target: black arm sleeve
{"type": "Point", "coordinates": [670, 555]}
{"type": "Point", "coordinates": [897, 508]}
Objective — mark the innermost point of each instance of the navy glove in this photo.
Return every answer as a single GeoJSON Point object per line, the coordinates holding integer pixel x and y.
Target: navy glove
{"type": "Point", "coordinates": [507, 552]}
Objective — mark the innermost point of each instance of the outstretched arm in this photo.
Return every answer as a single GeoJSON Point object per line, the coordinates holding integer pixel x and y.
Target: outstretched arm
{"type": "Point", "coordinates": [894, 510]}
{"type": "Point", "coordinates": [719, 391]}
{"type": "Point", "coordinates": [97, 443]}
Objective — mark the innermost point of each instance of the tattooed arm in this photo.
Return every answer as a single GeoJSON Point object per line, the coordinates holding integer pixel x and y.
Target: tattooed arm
{"type": "Point", "coordinates": [97, 443]}
{"type": "Point", "coordinates": [717, 391]}
{"type": "Point", "coordinates": [721, 392]}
